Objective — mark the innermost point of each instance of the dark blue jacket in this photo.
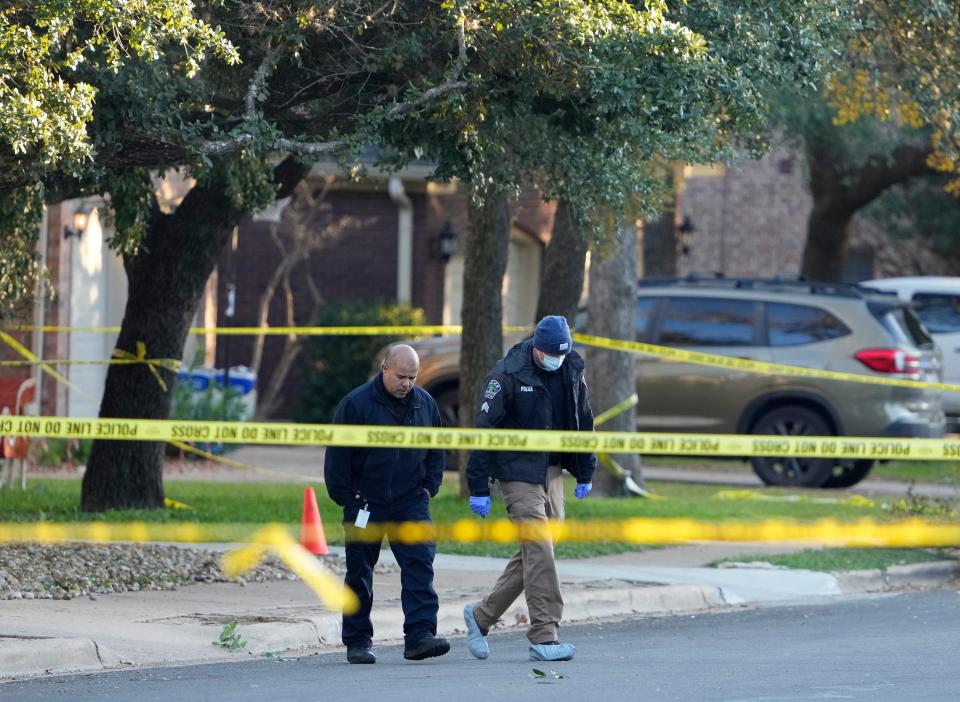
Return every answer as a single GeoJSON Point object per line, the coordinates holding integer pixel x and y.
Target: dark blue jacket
{"type": "Point", "coordinates": [515, 398]}
{"type": "Point", "coordinates": [383, 476]}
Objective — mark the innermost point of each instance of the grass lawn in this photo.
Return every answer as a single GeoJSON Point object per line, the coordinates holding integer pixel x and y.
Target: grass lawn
{"type": "Point", "coordinates": [833, 559]}
{"type": "Point", "coordinates": [257, 503]}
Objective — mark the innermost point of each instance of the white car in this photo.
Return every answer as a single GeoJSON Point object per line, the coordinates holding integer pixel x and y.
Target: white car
{"type": "Point", "coordinates": [936, 301]}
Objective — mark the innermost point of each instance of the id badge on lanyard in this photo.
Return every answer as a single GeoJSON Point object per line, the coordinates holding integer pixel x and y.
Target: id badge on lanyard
{"type": "Point", "coordinates": [363, 516]}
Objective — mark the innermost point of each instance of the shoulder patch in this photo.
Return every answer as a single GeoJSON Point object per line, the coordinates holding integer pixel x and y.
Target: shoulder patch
{"type": "Point", "coordinates": [493, 387]}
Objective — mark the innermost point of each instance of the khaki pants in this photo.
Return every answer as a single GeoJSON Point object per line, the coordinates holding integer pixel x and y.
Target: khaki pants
{"type": "Point", "coordinates": [532, 570]}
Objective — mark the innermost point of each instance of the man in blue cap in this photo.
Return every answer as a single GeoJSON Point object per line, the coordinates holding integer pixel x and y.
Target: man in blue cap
{"type": "Point", "coordinates": [538, 385]}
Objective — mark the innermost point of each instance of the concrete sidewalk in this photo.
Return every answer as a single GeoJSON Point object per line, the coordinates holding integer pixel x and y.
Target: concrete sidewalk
{"type": "Point", "coordinates": [42, 637]}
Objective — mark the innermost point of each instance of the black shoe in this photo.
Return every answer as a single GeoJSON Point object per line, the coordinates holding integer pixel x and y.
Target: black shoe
{"type": "Point", "coordinates": [428, 647]}
{"type": "Point", "coordinates": [361, 654]}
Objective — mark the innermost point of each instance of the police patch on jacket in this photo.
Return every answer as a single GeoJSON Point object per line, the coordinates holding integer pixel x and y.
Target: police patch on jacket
{"type": "Point", "coordinates": [493, 387]}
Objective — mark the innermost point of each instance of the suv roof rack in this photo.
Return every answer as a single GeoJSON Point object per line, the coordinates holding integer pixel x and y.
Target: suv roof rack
{"type": "Point", "coordinates": [799, 283]}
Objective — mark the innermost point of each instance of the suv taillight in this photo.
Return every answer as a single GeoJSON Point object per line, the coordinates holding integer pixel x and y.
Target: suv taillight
{"type": "Point", "coordinates": [889, 361]}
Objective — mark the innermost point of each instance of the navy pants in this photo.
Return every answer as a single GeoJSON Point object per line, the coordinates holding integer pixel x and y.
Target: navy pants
{"type": "Point", "coordinates": [417, 596]}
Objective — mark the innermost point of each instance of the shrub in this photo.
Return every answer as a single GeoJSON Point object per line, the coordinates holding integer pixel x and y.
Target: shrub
{"type": "Point", "coordinates": [214, 403]}
{"type": "Point", "coordinates": [334, 365]}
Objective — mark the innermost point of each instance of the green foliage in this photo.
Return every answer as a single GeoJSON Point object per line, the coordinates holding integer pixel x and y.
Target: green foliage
{"type": "Point", "coordinates": [578, 96]}
{"type": "Point", "coordinates": [920, 207]}
{"type": "Point", "coordinates": [906, 52]}
{"type": "Point", "coordinates": [582, 96]}
{"type": "Point", "coordinates": [249, 181]}
{"type": "Point", "coordinates": [914, 505]}
{"type": "Point", "coordinates": [806, 118]}
{"type": "Point", "coordinates": [335, 365]}
{"type": "Point", "coordinates": [214, 403]}
{"type": "Point", "coordinates": [21, 211]}
{"type": "Point", "coordinates": [229, 638]}
{"type": "Point", "coordinates": [48, 47]}
{"type": "Point", "coordinates": [840, 559]}
{"type": "Point", "coordinates": [132, 203]}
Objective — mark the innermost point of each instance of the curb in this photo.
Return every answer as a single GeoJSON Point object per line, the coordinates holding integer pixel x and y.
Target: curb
{"type": "Point", "coordinates": [323, 631]}
{"type": "Point", "coordinates": [899, 577]}
{"type": "Point", "coordinates": [579, 605]}
{"type": "Point", "coordinates": [29, 657]}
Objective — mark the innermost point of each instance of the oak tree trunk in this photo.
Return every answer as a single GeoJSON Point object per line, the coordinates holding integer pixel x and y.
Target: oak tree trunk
{"type": "Point", "coordinates": [828, 241]}
{"type": "Point", "coordinates": [484, 265]}
{"type": "Point", "coordinates": [839, 191]}
{"type": "Point", "coordinates": [563, 265]}
{"type": "Point", "coordinates": [166, 279]}
{"type": "Point", "coordinates": [611, 374]}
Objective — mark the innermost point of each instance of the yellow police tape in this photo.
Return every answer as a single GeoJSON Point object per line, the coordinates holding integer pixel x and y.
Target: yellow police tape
{"type": "Point", "coordinates": [33, 358]}
{"type": "Point", "coordinates": [831, 532]}
{"type": "Point", "coordinates": [395, 330]}
{"type": "Point", "coordinates": [750, 366]}
{"type": "Point", "coordinates": [483, 439]}
{"type": "Point", "coordinates": [616, 410]}
{"type": "Point", "coordinates": [121, 357]}
{"type": "Point", "coordinates": [275, 538]}
{"type": "Point", "coordinates": [665, 352]}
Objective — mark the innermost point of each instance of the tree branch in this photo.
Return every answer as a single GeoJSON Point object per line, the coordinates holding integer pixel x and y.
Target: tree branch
{"type": "Point", "coordinates": [259, 79]}
{"type": "Point", "coordinates": [314, 148]}
{"type": "Point", "coordinates": [430, 94]}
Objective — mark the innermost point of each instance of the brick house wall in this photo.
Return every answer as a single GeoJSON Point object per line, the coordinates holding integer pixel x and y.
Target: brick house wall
{"type": "Point", "coordinates": [359, 263]}
{"type": "Point", "coordinates": [54, 345]}
{"type": "Point", "coordinates": [752, 221]}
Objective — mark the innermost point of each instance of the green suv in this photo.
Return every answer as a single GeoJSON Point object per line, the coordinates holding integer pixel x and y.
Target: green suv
{"type": "Point", "coordinates": [831, 327]}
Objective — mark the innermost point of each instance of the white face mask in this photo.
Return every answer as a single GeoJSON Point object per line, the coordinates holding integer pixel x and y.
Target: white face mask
{"type": "Point", "coordinates": [552, 363]}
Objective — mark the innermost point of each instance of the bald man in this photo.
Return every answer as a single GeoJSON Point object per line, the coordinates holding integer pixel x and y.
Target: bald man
{"type": "Point", "coordinates": [383, 485]}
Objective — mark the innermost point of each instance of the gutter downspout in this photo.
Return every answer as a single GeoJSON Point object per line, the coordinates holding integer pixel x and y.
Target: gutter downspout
{"type": "Point", "coordinates": [39, 314]}
{"type": "Point", "coordinates": [404, 240]}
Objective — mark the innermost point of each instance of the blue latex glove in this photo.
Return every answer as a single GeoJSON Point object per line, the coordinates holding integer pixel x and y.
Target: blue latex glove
{"type": "Point", "coordinates": [480, 505]}
{"type": "Point", "coordinates": [582, 490]}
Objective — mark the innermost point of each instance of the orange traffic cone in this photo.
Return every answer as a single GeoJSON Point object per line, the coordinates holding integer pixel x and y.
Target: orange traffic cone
{"type": "Point", "coordinates": [311, 530]}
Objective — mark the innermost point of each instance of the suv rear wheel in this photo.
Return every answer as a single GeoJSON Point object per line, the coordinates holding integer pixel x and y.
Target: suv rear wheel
{"type": "Point", "coordinates": [791, 470]}
{"type": "Point", "coordinates": [847, 473]}
{"type": "Point", "coordinates": [448, 402]}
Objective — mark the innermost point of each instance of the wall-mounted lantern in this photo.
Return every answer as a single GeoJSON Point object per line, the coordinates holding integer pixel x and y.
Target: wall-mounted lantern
{"type": "Point", "coordinates": [78, 222]}
{"type": "Point", "coordinates": [447, 242]}
{"type": "Point", "coordinates": [685, 233]}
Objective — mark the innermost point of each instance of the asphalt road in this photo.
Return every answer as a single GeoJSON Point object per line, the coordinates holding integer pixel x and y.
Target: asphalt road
{"type": "Point", "coordinates": [890, 647]}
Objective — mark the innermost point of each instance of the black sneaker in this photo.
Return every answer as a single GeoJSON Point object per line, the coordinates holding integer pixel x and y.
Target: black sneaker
{"type": "Point", "coordinates": [361, 654]}
{"type": "Point", "coordinates": [428, 647]}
